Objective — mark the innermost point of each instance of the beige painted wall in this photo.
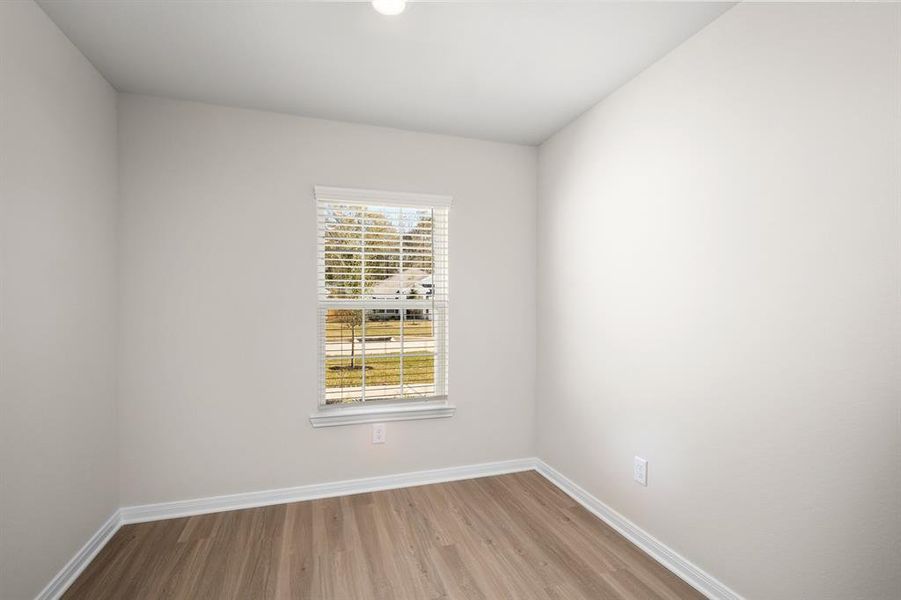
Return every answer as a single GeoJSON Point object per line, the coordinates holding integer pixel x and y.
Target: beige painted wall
{"type": "Point", "coordinates": [58, 477]}
{"type": "Point", "coordinates": [718, 293]}
{"type": "Point", "coordinates": [218, 298]}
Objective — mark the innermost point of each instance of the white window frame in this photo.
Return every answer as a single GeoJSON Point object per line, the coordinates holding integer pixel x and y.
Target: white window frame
{"type": "Point", "coordinates": [381, 410]}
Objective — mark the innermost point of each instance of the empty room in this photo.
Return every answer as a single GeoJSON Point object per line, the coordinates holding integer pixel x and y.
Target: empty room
{"type": "Point", "coordinates": [421, 300]}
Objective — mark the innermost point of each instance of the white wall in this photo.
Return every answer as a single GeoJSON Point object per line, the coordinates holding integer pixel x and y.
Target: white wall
{"type": "Point", "coordinates": [718, 293]}
{"type": "Point", "coordinates": [58, 477]}
{"type": "Point", "coordinates": [218, 298]}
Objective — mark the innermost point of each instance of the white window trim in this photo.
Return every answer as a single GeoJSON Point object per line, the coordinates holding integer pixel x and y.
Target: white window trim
{"type": "Point", "coordinates": [380, 411]}
{"type": "Point", "coordinates": [380, 197]}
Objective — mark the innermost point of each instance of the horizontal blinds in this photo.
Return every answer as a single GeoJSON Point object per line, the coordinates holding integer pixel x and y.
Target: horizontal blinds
{"type": "Point", "coordinates": [382, 285]}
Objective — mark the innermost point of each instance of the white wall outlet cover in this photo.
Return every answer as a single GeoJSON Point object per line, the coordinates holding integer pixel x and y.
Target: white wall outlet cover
{"type": "Point", "coordinates": [378, 433]}
{"type": "Point", "coordinates": [640, 471]}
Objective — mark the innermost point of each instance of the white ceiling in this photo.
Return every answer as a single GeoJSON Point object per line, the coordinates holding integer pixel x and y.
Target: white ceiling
{"type": "Point", "coordinates": [507, 71]}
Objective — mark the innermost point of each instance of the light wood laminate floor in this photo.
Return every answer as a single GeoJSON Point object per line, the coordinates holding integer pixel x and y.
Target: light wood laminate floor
{"type": "Point", "coordinates": [509, 536]}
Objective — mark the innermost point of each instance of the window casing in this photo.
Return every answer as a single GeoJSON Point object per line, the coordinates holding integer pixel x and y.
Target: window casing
{"type": "Point", "coordinates": [383, 297]}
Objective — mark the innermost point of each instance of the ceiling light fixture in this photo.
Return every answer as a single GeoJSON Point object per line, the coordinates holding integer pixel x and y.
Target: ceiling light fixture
{"type": "Point", "coordinates": [389, 7]}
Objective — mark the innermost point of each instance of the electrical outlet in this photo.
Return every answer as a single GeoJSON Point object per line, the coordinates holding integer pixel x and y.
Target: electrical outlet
{"type": "Point", "coordinates": [378, 433]}
{"type": "Point", "coordinates": [640, 471]}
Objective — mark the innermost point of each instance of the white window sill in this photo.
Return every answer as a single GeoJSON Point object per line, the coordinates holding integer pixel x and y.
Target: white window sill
{"type": "Point", "coordinates": [332, 416]}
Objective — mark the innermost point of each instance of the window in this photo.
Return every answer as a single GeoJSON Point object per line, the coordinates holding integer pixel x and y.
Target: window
{"type": "Point", "coordinates": [383, 295]}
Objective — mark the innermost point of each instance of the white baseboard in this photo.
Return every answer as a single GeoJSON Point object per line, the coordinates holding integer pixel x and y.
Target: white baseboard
{"type": "Point", "coordinates": [199, 506]}
{"type": "Point", "coordinates": [666, 556]}
{"type": "Point", "coordinates": [59, 584]}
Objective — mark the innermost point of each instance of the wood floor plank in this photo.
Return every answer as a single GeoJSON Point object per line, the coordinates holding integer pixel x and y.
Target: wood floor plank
{"type": "Point", "coordinates": [653, 574]}
{"type": "Point", "coordinates": [224, 568]}
{"type": "Point", "coordinates": [531, 564]}
{"type": "Point", "coordinates": [200, 527]}
{"type": "Point", "coordinates": [510, 536]}
{"type": "Point", "coordinates": [376, 552]}
{"type": "Point", "coordinates": [418, 576]}
{"type": "Point", "coordinates": [296, 556]}
{"type": "Point", "coordinates": [259, 578]}
{"type": "Point", "coordinates": [559, 518]}
{"type": "Point", "coordinates": [629, 586]}
{"type": "Point", "coordinates": [111, 563]}
{"type": "Point", "coordinates": [458, 580]}
{"type": "Point", "coordinates": [542, 531]}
